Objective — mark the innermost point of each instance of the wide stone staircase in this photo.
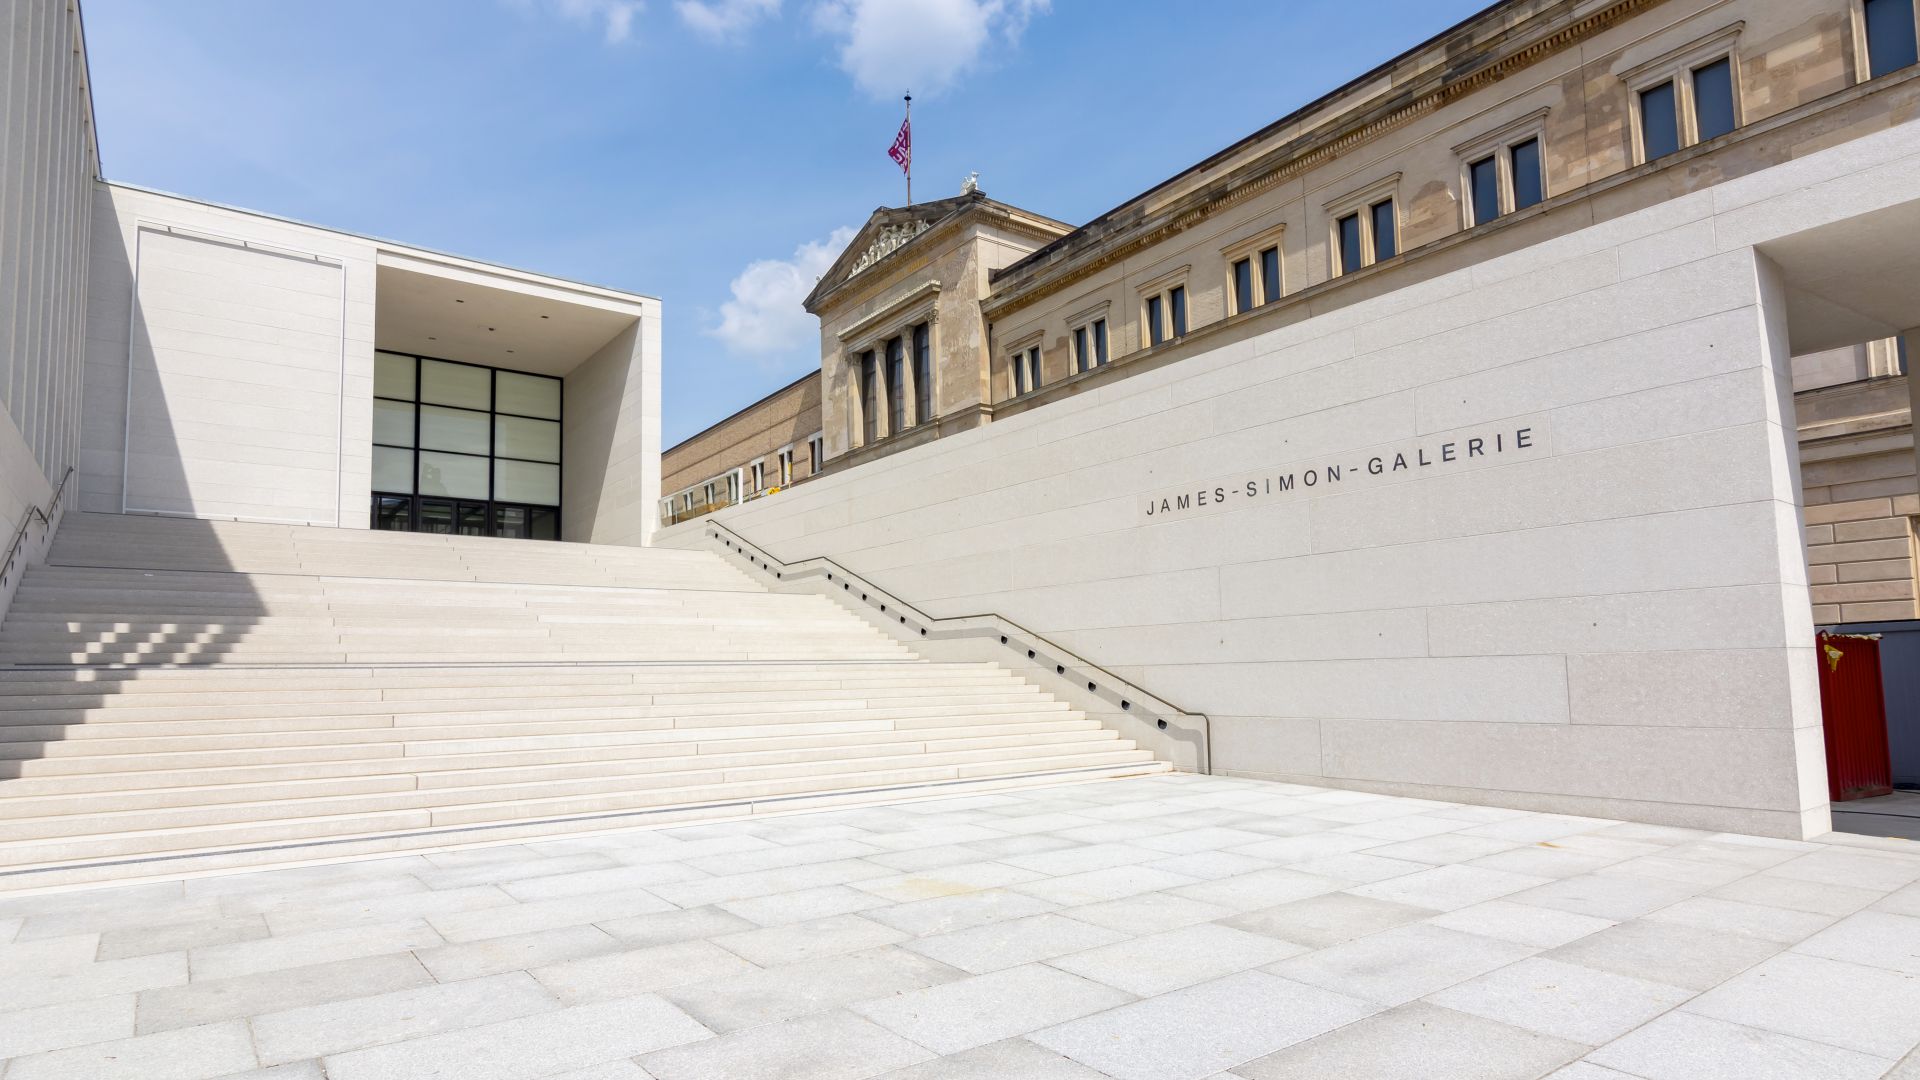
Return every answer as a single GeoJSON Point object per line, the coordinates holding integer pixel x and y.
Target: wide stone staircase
{"type": "Point", "coordinates": [183, 695]}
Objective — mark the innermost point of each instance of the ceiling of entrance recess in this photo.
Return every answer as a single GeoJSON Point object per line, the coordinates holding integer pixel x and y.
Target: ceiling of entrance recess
{"type": "Point", "coordinates": [457, 313]}
{"type": "Point", "coordinates": [1851, 281]}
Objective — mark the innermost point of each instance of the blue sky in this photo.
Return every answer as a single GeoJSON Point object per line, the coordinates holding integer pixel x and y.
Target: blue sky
{"type": "Point", "coordinates": [702, 151]}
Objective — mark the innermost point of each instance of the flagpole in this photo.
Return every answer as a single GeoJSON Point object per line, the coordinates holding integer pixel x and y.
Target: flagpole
{"type": "Point", "coordinates": [909, 153]}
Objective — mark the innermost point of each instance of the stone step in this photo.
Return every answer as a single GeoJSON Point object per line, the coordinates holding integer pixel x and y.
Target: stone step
{"type": "Point", "coordinates": [30, 742]}
{"type": "Point", "coordinates": [15, 727]}
{"type": "Point", "coordinates": [68, 874]}
{"type": "Point", "coordinates": [245, 705]}
{"type": "Point", "coordinates": [19, 854]}
{"type": "Point", "coordinates": [423, 769]}
{"type": "Point", "coordinates": [43, 819]}
{"type": "Point", "coordinates": [325, 759]}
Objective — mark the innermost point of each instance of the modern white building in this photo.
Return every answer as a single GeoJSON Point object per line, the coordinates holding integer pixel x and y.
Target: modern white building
{"type": "Point", "coordinates": [164, 355]}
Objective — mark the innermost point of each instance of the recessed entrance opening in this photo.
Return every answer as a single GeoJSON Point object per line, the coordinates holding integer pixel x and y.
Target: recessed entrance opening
{"type": "Point", "coordinates": [465, 450]}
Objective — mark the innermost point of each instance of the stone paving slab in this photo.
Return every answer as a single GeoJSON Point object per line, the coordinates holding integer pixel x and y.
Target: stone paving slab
{"type": "Point", "coordinates": [1161, 928]}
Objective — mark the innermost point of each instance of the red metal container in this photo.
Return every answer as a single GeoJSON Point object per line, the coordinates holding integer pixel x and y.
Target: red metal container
{"type": "Point", "coordinates": [1851, 699]}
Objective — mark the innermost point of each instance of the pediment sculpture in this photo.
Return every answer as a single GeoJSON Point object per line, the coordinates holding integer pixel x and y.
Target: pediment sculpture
{"type": "Point", "coordinates": [886, 242]}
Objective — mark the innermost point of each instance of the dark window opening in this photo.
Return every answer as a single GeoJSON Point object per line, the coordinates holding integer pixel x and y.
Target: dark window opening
{"type": "Point", "coordinates": [1243, 285]}
{"type": "Point", "coordinates": [1483, 182]}
{"type": "Point", "coordinates": [1529, 183]}
{"type": "Point", "coordinates": [1386, 233]}
{"type": "Point", "coordinates": [1270, 275]}
{"type": "Point", "coordinates": [1891, 37]}
{"type": "Point", "coordinates": [922, 373]}
{"type": "Point", "coordinates": [1659, 122]}
{"type": "Point", "coordinates": [1713, 99]}
{"type": "Point", "coordinates": [1349, 231]}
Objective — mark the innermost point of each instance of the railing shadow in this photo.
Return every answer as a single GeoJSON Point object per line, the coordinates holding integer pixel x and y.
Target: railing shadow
{"type": "Point", "coordinates": [1127, 703]}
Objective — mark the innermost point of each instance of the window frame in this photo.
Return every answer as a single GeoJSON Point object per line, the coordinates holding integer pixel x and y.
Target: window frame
{"type": "Point", "coordinates": [1678, 66]}
{"type": "Point", "coordinates": [1175, 300]}
{"type": "Point", "coordinates": [1084, 346]}
{"type": "Point", "coordinates": [1363, 201]}
{"type": "Point", "coordinates": [1499, 144]}
{"type": "Point", "coordinates": [1862, 56]}
{"type": "Point", "coordinates": [816, 452]}
{"type": "Point", "coordinates": [1252, 249]}
{"type": "Point", "coordinates": [1024, 356]}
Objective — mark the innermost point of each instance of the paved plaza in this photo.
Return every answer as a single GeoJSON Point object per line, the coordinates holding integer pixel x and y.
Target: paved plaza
{"type": "Point", "coordinates": [1168, 928]}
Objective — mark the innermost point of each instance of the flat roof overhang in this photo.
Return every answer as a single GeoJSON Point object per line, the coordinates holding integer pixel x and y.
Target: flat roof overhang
{"type": "Point", "coordinates": [1852, 280]}
{"type": "Point", "coordinates": [483, 315]}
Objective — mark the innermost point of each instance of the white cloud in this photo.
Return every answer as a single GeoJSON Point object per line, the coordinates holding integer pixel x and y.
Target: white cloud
{"type": "Point", "coordinates": [615, 17]}
{"type": "Point", "coordinates": [724, 20]}
{"type": "Point", "coordinates": [892, 46]}
{"type": "Point", "coordinates": [764, 318]}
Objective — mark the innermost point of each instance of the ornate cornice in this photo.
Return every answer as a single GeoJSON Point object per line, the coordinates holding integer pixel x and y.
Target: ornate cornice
{"type": "Point", "coordinates": [1420, 97]}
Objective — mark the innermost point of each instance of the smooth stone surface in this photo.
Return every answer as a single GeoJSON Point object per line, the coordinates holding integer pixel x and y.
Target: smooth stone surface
{"type": "Point", "coordinates": [1417, 1041]}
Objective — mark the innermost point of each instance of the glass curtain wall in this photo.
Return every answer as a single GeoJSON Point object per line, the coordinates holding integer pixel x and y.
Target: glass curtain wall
{"type": "Point", "coordinates": [464, 449]}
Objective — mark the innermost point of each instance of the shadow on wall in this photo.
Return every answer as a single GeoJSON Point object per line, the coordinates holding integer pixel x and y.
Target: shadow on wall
{"type": "Point", "coordinates": [110, 603]}
{"type": "Point", "coordinates": [594, 488]}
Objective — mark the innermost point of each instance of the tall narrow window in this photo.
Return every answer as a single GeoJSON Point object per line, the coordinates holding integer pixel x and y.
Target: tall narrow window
{"type": "Point", "coordinates": [786, 467]}
{"type": "Point", "coordinates": [1386, 231]}
{"type": "Point", "coordinates": [1713, 99]}
{"type": "Point", "coordinates": [1026, 371]}
{"type": "Point", "coordinates": [1483, 189]}
{"type": "Point", "coordinates": [1177, 307]}
{"type": "Point", "coordinates": [1099, 341]}
{"type": "Point", "coordinates": [1529, 183]}
{"type": "Point", "coordinates": [1243, 285]}
{"type": "Point", "coordinates": [1082, 358]}
{"type": "Point", "coordinates": [896, 386]}
{"type": "Point", "coordinates": [759, 475]}
{"type": "Point", "coordinates": [922, 373]}
{"type": "Point", "coordinates": [1156, 326]}
{"type": "Point", "coordinates": [816, 454]}
{"type": "Point", "coordinates": [1270, 275]}
{"type": "Point", "coordinates": [1659, 121]}
{"type": "Point", "coordinates": [869, 397]}
{"type": "Point", "coordinates": [1892, 42]}
{"type": "Point", "coordinates": [1351, 256]}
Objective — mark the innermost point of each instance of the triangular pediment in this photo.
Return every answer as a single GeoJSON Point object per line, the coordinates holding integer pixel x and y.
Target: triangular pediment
{"type": "Point", "coordinates": [886, 231]}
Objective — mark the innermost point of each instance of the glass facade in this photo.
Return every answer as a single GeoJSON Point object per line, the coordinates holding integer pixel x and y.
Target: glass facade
{"type": "Point", "coordinates": [465, 449]}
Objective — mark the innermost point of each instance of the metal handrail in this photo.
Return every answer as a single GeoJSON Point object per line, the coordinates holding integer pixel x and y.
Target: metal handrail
{"type": "Point", "coordinates": [1126, 691]}
{"type": "Point", "coordinates": [46, 518]}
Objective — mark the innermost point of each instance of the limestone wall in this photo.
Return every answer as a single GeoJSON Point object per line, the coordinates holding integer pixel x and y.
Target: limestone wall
{"type": "Point", "coordinates": [48, 160]}
{"type": "Point", "coordinates": [1606, 614]}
